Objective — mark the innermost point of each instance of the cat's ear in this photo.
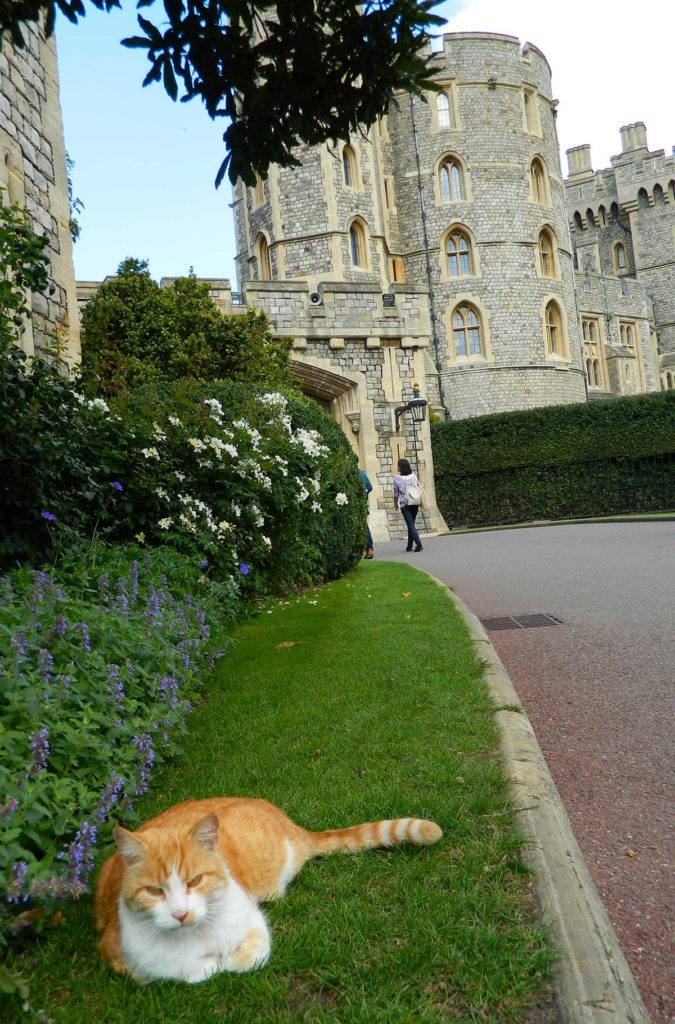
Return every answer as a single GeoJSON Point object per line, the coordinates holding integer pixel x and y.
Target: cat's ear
{"type": "Point", "coordinates": [205, 832]}
{"type": "Point", "coordinates": [129, 845]}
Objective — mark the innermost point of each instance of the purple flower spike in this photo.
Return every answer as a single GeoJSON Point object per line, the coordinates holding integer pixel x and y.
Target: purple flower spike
{"type": "Point", "coordinates": [244, 569]}
{"type": "Point", "coordinates": [118, 486]}
{"type": "Point", "coordinates": [15, 891]}
{"type": "Point", "coordinates": [48, 516]}
{"type": "Point", "coordinates": [204, 564]}
{"type": "Point", "coordinates": [39, 745]}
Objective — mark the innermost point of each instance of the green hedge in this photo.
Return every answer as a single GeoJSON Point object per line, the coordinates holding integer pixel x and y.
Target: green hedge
{"type": "Point", "coordinates": [561, 462]}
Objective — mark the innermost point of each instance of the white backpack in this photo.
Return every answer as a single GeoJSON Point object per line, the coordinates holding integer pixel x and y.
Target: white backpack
{"type": "Point", "coordinates": [413, 494]}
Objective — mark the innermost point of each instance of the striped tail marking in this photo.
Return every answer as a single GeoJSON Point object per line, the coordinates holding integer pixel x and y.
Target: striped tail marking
{"type": "Point", "coordinates": [376, 834]}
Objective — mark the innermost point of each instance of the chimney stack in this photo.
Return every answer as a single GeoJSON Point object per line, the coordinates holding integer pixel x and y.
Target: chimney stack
{"type": "Point", "coordinates": [633, 136]}
{"type": "Point", "coordinates": [579, 161]}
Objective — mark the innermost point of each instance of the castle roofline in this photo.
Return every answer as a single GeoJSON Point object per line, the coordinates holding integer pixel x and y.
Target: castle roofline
{"type": "Point", "coordinates": [502, 37]}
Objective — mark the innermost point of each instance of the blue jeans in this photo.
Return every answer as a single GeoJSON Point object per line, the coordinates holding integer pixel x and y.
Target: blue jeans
{"type": "Point", "coordinates": [409, 513]}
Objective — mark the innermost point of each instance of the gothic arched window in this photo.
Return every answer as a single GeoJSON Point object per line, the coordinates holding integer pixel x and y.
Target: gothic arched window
{"type": "Point", "coordinates": [357, 244]}
{"type": "Point", "coordinates": [555, 342]}
{"type": "Point", "coordinates": [451, 180]}
{"type": "Point", "coordinates": [349, 166]}
{"type": "Point", "coordinates": [466, 331]}
{"type": "Point", "coordinates": [459, 254]}
{"type": "Point", "coordinates": [444, 110]}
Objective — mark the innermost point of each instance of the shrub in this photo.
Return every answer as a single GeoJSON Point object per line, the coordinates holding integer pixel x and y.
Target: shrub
{"type": "Point", "coordinates": [134, 332]}
{"type": "Point", "coordinates": [99, 668]}
{"type": "Point", "coordinates": [558, 462]}
{"type": "Point", "coordinates": [249, 480]}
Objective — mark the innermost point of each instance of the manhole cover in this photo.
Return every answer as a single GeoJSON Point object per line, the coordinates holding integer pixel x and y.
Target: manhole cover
{"type": "Point", "coordinates": [521, 621]}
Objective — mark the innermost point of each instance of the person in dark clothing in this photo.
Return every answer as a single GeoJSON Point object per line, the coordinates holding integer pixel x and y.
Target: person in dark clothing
{"type": "Point", "coordinates": [367, 487]}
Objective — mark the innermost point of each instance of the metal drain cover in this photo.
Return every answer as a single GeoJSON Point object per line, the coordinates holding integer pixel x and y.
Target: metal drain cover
{"type": "Point", "coordinates": [522, 621]}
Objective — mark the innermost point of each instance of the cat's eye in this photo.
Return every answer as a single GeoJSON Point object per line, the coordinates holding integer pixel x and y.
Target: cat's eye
{"type": "Point", "coordinates": [154, 890]}
{"type": "Point", "coordinates": [194, 881]}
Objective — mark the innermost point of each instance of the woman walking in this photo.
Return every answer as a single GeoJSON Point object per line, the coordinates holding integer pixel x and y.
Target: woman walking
{"type": "Point", "coordinates": [407, 497]}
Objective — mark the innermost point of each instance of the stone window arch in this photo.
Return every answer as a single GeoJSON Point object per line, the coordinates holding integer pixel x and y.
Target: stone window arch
{"type": "Point", "coordinates": [467, 332]}
{"type": "Point", "coordinates": [602, 216]}
{"type": "Point", "coordinates": [669, 381]}
{"type": "Point", "coordinates": [262, 251]}
{"type": "Point", "coordinates": [451, 180]}
{"type": "Point", "coordinates": [578, 222]}
{"type": "Point", "coordinates": [444, 112]}
{"type": "Point", "coordinates": [539, 182]}
{"type": "Point", "coordinates": [671, 191]}
{"type": "Point", "coordinates": [546, 252]}
{"type": "Point", "coordinates": [658, 195]}
{"type": "Point", "coordinates": [554, 330]}
{"type": "Point", "coordinates": [596, 373]}
{"type": "Point", "coordinates": [643, 199]}
{"type": "Point", "coordinates": [589, 329]}
{"type": "Point", "coordinates": [620, 257]}
{"type": "Point", "coordinates": [349, 171]}
{"type": "Point", "coordinates": [530, 112]}
{"type": "Point", "coordinates": [627, 333]}
{"type": "Point", "coordinates": [459, 253]}
{"type": "Point", "coordinates": [590, 218]}
{"type": "Point", "coordinates": [357, 244]}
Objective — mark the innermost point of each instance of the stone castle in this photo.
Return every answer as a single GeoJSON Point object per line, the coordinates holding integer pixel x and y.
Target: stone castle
{"type": "Point", "coordinates": [33, 175]}
{"type": "Point", "coordinates": [443, 247]}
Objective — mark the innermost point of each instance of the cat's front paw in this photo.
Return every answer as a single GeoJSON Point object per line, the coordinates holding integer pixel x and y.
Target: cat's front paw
{"type": "Point", "coordinates": [209, 966]}
{"type": "Point", "coordinates": [254, 952]}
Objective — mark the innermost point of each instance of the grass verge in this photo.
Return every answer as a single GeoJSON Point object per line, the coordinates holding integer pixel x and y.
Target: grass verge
{"type": "Point", "coordinates": [358, 701]}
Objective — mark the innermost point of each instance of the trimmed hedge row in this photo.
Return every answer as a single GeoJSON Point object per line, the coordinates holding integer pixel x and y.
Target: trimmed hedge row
{"type": "Point", "coordinates": [558, 462]}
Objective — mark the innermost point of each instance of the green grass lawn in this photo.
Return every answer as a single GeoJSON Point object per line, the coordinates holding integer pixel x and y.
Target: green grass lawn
{"type": "Point", "coordinates": [378, 710]}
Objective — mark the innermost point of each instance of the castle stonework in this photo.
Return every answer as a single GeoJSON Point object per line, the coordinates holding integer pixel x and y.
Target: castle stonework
{"type": "Point", "coordinates": [437, 248]}
{"type": "Point", "coordinates": [33, 176]}
{"type": "Point", "coordinates": [442, 247]}
{"type": "Point", "coordinates": [622, 220]}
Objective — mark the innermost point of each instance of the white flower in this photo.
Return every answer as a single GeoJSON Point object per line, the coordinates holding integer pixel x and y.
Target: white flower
{"type": "Point", "coordinates": [158, 433]}
{"type": "Point", "coordinates": [231, 450]}
{"type": "Point", "coordinates": [341, 498]}
{"type": "Point", "coordinates": [160, 492]}
{"type": "Point", "coordinates": [237, 510]}
{"type": "Point", "coordinates": [198, 445]}
{"type": "Point", "coordinates": [78, 397]}
{"type": "Point", "coordinates": [259, 521]}
{"type": "Point", "coordinates": [316, 507]}
{"type": "Point", "coordinates": [150, 453]}
{"type": "Point", "coordinates": [272, 399]}
{"type": "Point", "coordinates": [179, 476]}
{"type": "Point", "coordinates": [98, 403]}
{"type": "Point", "coordinates": [241, 424]}
{"type": "Point", "coordinates": [316, 485]}
{"type": "Point", "coordinates": [267, 541]}
{"type": "Point", "coordinates": [174, 421]}
{"type": "Point", "coordinates": [164, 524]}
{"type": "Point", "coordinates": [303, 495]}
{"type": "Point", "coordinates": [224, 526]}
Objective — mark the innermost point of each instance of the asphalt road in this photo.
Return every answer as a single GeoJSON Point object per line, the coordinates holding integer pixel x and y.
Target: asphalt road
{"type": "Point", "coordinates": [599, 690]}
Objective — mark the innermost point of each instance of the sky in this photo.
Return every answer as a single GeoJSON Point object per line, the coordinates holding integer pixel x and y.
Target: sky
{"type": "Point", "coordinates": [145, 166]}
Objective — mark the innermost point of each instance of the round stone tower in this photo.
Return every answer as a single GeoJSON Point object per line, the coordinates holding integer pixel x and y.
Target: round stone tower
{"type": "Point", "coordinates": [480, 218]}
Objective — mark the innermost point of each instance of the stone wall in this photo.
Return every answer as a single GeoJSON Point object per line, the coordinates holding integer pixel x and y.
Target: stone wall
{"type": "Point", "coordinates": [33, 175]}
{"type": "Point", "coordinates": [630, 203]}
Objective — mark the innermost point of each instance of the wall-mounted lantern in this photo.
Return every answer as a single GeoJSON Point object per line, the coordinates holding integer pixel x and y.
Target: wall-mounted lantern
{"type": "Point", "coordinates": [417, 407]}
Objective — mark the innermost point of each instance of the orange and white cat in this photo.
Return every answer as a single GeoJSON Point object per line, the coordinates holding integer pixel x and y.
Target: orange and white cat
{"type": "Point", "coordinates": [180, 898]}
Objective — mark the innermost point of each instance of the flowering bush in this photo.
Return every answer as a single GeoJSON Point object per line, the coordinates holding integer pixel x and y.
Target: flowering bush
{"type": "Point", "coordinates": [98, 670]}
{"type": "Point", "coordinates": [220, 471]}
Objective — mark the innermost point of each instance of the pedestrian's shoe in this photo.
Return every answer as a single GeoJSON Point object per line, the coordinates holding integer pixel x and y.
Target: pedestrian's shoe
{"type": "Point", "coordinates": [419, 548]}
{"type": "Point", "coordinates": [369, 553]}
{"type": "Point", "coordinates": [409, 548]}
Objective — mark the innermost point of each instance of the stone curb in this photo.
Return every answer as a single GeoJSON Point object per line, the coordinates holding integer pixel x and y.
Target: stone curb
{"type": "Point", "coordinates": [593, 981]}
{"type": "Point", "coordinates": [536, 524]}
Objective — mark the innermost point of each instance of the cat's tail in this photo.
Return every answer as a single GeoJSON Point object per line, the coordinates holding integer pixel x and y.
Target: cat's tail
{"type": "Point", "coordinates": [374, 834]}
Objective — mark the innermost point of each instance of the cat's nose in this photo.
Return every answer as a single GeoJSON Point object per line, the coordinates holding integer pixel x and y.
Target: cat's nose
{"type": "Point", "coordinates": [180, 915]}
